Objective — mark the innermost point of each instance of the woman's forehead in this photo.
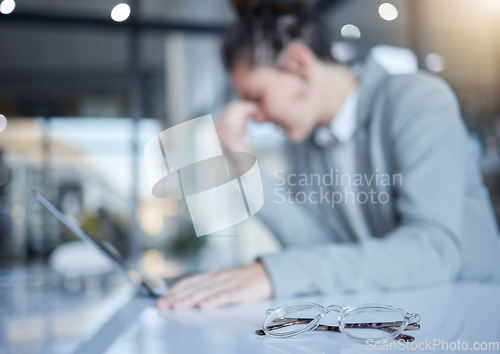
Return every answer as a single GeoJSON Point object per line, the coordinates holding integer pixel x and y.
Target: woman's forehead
{"type": "Point", "coordinates": [247, 78]}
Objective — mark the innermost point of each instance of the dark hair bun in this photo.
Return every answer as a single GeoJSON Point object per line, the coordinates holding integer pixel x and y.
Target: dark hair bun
{"type": "Point", "coordinates": [266, 27]}
{"type": "Point", "coordinates": [244, 7]}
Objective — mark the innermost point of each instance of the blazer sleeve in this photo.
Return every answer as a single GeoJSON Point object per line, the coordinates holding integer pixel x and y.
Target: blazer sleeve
{"type": "Point", "coordinates": [430, 151]}
{"type": "Point", "coordinates": [292, 224]}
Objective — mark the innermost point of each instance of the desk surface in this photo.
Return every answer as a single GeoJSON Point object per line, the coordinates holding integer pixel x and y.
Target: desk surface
{"type": "Point", "coordinates": [122, 322]}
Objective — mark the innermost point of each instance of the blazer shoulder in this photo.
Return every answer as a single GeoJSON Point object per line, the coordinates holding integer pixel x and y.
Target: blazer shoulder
{"type": "Point", "coordinates": [420, 86]}
{"type": "Point", "coordinates": [423, 98]}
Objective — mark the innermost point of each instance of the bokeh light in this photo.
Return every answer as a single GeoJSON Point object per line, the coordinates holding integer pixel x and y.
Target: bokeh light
{"type": "Point", "coordinates": [3, 123]}
{"type": "Point", "coordinates": [388, 11]}
{"type": "Point", "coordinates": [435, 62]}
{"type": "Point", "coordinates": [350, 31]}
{"type": "Point", "coordinates": [7, 6]}
{"type": "Point", "coordinates": [120, 12]}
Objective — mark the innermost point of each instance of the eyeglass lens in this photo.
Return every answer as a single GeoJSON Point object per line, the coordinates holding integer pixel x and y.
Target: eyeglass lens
{"type": "Point", "coordinates": [372, 323]}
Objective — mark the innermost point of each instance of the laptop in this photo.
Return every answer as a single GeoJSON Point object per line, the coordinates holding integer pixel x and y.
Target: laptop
{"type": "Point", "coordinates": [149, 286]}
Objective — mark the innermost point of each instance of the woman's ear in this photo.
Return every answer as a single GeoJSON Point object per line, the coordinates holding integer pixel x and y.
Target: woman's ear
{"type": "Point", "coordinates": [298, 59]}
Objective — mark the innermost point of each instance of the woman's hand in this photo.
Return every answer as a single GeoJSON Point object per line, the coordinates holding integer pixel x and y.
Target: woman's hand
{"type": "Point", "coordinates": [231, 127]}
{"type": "Point", "coordinates": [210, 290]}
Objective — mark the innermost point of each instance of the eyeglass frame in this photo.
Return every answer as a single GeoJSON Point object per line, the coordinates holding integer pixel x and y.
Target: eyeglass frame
{"type": "Point", "coordinates": [410, 322]}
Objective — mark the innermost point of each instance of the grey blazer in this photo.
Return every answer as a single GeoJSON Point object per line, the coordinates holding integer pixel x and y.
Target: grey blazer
{"type": "Point", "coordinates": [436, 226]}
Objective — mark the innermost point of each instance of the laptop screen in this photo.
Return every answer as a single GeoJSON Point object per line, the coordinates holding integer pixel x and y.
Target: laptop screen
{"type": "Point", "coordinates": [104, 248]}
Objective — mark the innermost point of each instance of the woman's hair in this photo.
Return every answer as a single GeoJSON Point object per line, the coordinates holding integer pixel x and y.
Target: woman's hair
{"type": "Point", "coordinates": [264, 31]}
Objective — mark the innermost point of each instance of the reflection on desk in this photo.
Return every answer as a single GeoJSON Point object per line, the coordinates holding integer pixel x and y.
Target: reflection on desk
{"type": "Point", "coordinates": [466, 312]}
{"type": "Point", "coordinates": [456, 312]}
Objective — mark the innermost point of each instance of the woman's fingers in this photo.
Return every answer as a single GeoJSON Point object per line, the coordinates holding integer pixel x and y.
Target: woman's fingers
{"type": "Point", "coordinates": [231, 127]}
{"type": "Point", "coordinates": [211, 290]}
{"type": "Point", "coordinates": [200, 292]}
{"type": "Point", "coordinates": [180, 289]}
{"type": "Point", "coordinates": [220, 299]}
{"type": "Point", "coordinates": [189, 291]}
{"type": "Point", "coordinates": [201, 296]}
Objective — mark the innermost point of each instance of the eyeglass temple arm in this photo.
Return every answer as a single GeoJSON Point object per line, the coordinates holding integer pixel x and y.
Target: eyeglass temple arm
{"type": "Point", "coordinates": [402, 336]}
{"type": "Point", "coordinates": [375, 325]}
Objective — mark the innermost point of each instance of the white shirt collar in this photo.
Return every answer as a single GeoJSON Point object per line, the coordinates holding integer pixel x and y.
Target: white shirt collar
{"type": "Point", "coordinates": [343, 125]}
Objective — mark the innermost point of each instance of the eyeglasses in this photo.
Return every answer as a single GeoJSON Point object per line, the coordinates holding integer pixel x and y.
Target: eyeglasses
{"type": "Point", "coordinates": [362, 323]}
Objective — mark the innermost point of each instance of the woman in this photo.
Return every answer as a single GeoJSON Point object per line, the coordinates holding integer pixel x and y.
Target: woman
{"type": "Point", "coordinates": [413, 211]}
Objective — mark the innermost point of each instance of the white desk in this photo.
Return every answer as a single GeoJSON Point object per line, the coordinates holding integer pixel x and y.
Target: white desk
{"type": "Point", "coordinates": [460, 312]}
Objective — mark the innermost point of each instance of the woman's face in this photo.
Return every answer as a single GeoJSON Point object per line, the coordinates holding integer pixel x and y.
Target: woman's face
{"type": "Point", "coordinates": [284, 98]}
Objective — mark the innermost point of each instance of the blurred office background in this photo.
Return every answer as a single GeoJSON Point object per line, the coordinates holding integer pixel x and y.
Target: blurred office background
{"type": "Point", "coordinates": [83, 88]}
